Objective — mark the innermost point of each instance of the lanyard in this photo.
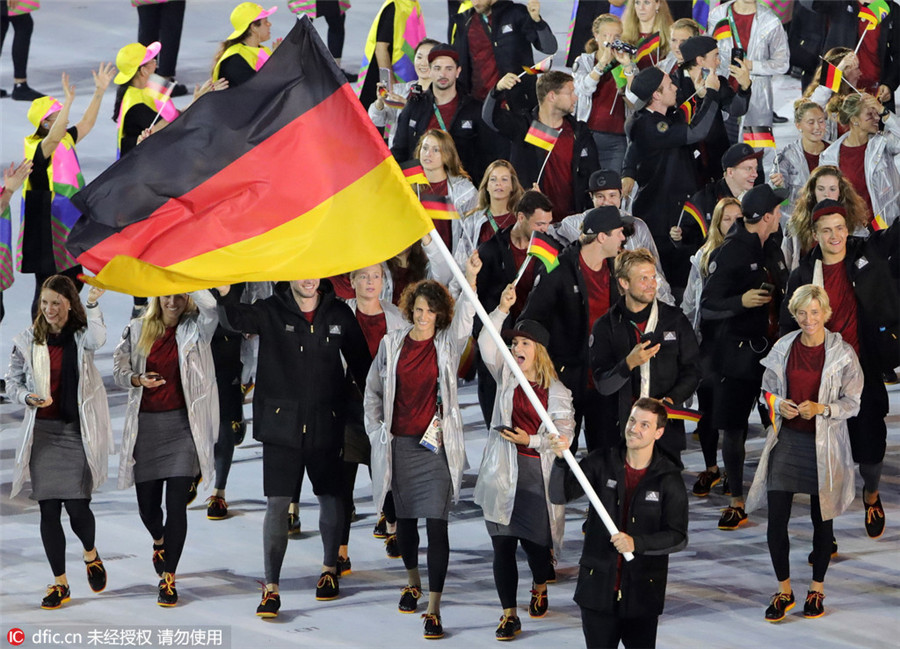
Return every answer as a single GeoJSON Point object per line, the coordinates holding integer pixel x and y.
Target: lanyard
{"type": "Point", "coordinates": [735, 36]}
{"type": "Point", "coordinates": [440, 410]}
{"type": "Point", "coordinates": [491, 220]}
{"type": "Point", "coordinates": [440, 119]}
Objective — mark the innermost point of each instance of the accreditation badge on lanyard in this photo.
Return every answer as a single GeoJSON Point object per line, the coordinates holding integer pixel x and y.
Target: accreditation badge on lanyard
{"type": "Point", "coordinates": [735, 36]}
{"type": "Point", "coordinates": [433, 437]}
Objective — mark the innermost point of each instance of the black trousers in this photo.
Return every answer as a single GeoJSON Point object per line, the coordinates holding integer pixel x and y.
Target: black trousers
{"type": "Point", "coordinates": [506, 569]}
{"type": "Point", "coordinates": [23, 26]}
{"type": "Point", "coordinates": [53, 537]}
{"type": "Point", "coordinates": [330, 10]}
{"type": "Point", "coordinates": [174, 529]}
{"type": "Point", "coordinates": [779, 543]}
{"type": "Point", "coordinates": [162, 22]}
{"type": "Point", "coordinates": [606, 630]}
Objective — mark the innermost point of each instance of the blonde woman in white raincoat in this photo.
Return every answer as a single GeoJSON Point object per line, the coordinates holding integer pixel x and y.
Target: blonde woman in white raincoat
{"type": "Point", "coordinates": [513, 481]}
{"type": "Point", "coordinates": [815, 380]}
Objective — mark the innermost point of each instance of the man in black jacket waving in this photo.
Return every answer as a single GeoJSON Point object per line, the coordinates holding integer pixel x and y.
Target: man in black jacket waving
{"type": "Point", "coordinates": [643, 347]}
{"type": "Point", "coordinates": [298, 411]}
{"type": "Point", "coordinates": [644, 494]}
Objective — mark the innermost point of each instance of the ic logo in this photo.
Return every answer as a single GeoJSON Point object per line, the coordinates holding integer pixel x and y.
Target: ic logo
{"type": "Point", "coordinates": [15, 637]}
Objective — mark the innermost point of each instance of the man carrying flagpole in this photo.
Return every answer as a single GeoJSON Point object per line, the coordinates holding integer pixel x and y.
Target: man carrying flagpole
{"type": "Point", "coordinates": [547, 137]}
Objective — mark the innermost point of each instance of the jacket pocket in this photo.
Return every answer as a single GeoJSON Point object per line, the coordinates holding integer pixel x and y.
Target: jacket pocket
{"type": "Point", "coordinates": [277, 423]}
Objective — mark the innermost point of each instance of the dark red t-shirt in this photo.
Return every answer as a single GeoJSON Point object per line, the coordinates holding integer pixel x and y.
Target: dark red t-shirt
{"type": "Point", "coordinates": [853, 164]}
{"type": "Point", "coordinates": [447, 111]}
{"type": "Point", "coordinates": [415, 393]}
{"type": "Point", "coordinates": [597, 284]}
{"type": "Point", "coordinates": [374, 327]}
{"type": "Point", "coordinates": [607, 108]}
{"type": "Point", "coordinates": [633, 477]}
{"type": "Point", "coordinates": [309, 315]}
{"type": "Point", "coordinates": [443, 226]}
{"type": "Point", "coordinates": [485, 73]}
{"type": "Point", "coordinates": [843, 303]}
{"type": "Point", "coordinates": [557, 180]}
{"type": "Point", "coordinates": [52, 411]}
{"type": "Point", "coordinates": [804, 373]}
{"type": "Point", "coordinates": [812, 160]}
{"type": "Point", "coordinates": [869, 63]}
{"type": "Point", "coordinates": [502, 221]}
{"type": "Point", "coordinates": [744, 24]}
{"type": "Point", "coordinates": [523, 288]}
{"type": "Point", "coordinates": [163, 360]}
{"type": "Point", "coordinates": [524, 415]}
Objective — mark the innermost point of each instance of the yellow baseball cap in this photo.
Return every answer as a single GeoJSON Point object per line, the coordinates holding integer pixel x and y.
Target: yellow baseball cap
{"type": "Point", "coordinates": [246, 13]}
{"type": "Point", "coordinates": [133, 56]}
{"type": "Point", "coordinates": [41, 109]}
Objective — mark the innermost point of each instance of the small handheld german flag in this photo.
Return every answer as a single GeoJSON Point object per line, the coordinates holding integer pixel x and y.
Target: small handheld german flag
{"type": "Point", "coordinates": [545, 248]}
{"type": "Point", "coordinates": [542, 136]}
{"type": "Point", "coordinates": [540, 66]}
{"type": "Point", "coordinates": [759, 137]}
{"type": "Point", "coordinates": [722, 30]}
{"type": "Point", "coordinates": [648, 45]}
{"type": "Point", "coordinates": [439, 207]}
{"type": "Point", "coordinates": [683, 414]}
{"type": "Point", "coordinates": [413, 172]}
{"type": "Point", "coordinates": [687, 109]}
{"type": "Point", "coordinates": [878, 223]}
{"type": "Point", "coordinates": [388, 100]}
{"type": "Point", "coordinates": [770, 402]}
{"type": "Point", "coordinates": [830, 77]}
{"type": "Point", "coordinates": [694, 213]}
{"type": "Point", "coordinates": [866, 14]}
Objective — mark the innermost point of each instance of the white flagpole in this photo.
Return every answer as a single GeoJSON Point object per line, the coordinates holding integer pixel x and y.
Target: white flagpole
{"type": "Point", "coordinates": [524, 263]}
{"type": "Point", "coordinates": [168, 96]}
{"type": "Point", "coordinates": [541, 172]}
{"type": "Point", "coordinates": [526, 386]}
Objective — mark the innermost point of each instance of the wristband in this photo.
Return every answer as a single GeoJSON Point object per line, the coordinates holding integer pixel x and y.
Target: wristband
{"type": "Point", "coordinates": [90, 305]}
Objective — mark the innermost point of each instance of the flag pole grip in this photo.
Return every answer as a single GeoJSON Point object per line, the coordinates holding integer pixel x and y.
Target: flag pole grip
{"type": "Point", "coordinates": [525, 385]}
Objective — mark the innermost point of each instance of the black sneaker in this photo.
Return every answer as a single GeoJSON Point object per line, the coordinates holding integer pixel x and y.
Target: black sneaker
{"type": "Point", "coordinates": [380, 530]}
{"type": "Point", "coordinates": [726, 488]}
{"type": "Point", "coordinates": [327, 588]}
{"type": "Point", "coordinates": [539, 604]}
{"type": "Point", "coordinates": [192, 490]}
{"type": "Point", "coordinates": [813, 607]}
{"type": "Point", "coordinates": [433, 628]}
{"type": "Point", "coordinates": [3, 94]}
{"type": "Point", "coordinates": [778, 119]}
{"type": "Point", "coordinates": [874, 518]}
{"type": "Point", "coordinates": [179, 90]}
{"type": "Point", "coordinates": [409, 599]}
{"type": "Point", "coordinates": [239, 430]}
{"type": "Point", "coordinates": [168, 596]}
{"type": "Point", "coordinates": [96, 574]}
{"type": "Point", "coordinates": [269, 605]}
{"type": "Point", "coordinates": [216, 508]}
{"type": "Point", "coordinates": [889, 377]}
{"type": "Point", "coordinates": [391, 547]}
{"type": "Point", "coordinates": [343, 566]}
{"type": "Point", "coordinates": [781, 604]}
{"type": "Point", "coordinates": [159, 559]}
{"type": "Point", "coordinates": [24, 92]}
{"type": "Point", "coordinates": [732, 518]}
{"type": "Point", "coordinates": [705, 482]}
{"type": "Point", "coordinates": [56, 596]}
{"type": "Point", "coordinates": [510, 626]}
{"type": "Point", "coordinates": [352, 77]}
{"type": "Point", "coordinates": [293, 523]}
{"type": "Point", "coordinates": [834, 551]}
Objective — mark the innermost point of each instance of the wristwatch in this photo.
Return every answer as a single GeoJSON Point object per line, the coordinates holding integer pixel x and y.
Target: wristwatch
{"type": "Point", "coordinates": [827, 411]}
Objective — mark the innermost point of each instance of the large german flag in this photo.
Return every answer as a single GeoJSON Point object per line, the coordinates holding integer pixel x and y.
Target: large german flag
{"type": "Point", "coordinates": [281, 178]}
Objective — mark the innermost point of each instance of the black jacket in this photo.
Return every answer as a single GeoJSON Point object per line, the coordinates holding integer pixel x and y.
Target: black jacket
{"type": "Point", "coordinates": [474, 142]}
{"type": "Point", "coordinates": [559, 301]}
{"type": "Point", "coordinates": [528, 159]}
{"type": "Point", "coordinates": [301, 390]}
{"type": "Point", "coordinates": [513, 33]}
{"type": "Point", "coordinates": [657, 520]}
{"type": "Point", "coordinates": [498, 268]}
{"type": "Point", "coordinates": [674, 371]}
{"type": "Point", "coordinates": [741, 263]}
{"type": "Point", "coordinates": [877, 300]}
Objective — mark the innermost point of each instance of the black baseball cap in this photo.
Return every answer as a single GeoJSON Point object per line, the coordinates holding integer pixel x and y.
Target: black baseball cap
{"type": "Point", "coordinates": [737, 153]}
{"type": "Point", "coordinates": [761, 200]}
{"type": "Point", "coordinates": [443, 50]}
{"type": "Point", "coordinates": [604, 219]}
{"type": "Point", "coordinates": [826, 207]}
{"type": "Point", "coordinates": [646, 82]}
{"type": "Point", "coordinates": [531, 329]}
{"type": "Point", "coordinates": [697, 46]}
{"type": "Point", "coordinates": [604, 179]}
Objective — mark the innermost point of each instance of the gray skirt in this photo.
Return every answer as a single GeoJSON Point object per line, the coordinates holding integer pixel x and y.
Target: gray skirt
{"type": "Point", "coordinates": [58, 466]}
{"type": "Point", "coordinates": [530, 519]}
{"type": "Point", "coordinates": [164, 447]}
{"type": "Point", "coordinates": [420, 480]}
{"type": "Point", "coordinates": [792, 463]}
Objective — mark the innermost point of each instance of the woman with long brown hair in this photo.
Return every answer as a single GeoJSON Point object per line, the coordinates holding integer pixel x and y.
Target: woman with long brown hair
{"type": "Point", "coordinates": [172, 418]}
{"type": "Point", "coordinates": [644, 18]}
{"type": "Point", "coordinates": [518, 455]}
{"type": "Point", "coordinates": [66, 429]}
{"type": "Point", "coordinates": [498, 195]}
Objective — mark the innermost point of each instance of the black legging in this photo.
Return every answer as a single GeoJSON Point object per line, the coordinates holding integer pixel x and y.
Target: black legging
{"type": "Point", "coordinates": [226, 353]}
{"type": "Point", "coordinates": [733, 453]}
{"type": "Point", "coordinates": [706, 432]}
{"type": "Point", "coordinates": [162, 22]}
{"type": "Point", "coordinates": [81, 518]}
{"type": "Point", "coordinates": [331, 12]}
{"type": "Point", "coordinates": [779, 544]}
{"type": "Point", "coordinates": [506, 569]}
{"type": "Point", "coordinates": [438, 548]}
{"type": "Point", "coordinates": [174, 530]}
{"type": "Point", "coordinates": [23, 26]}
